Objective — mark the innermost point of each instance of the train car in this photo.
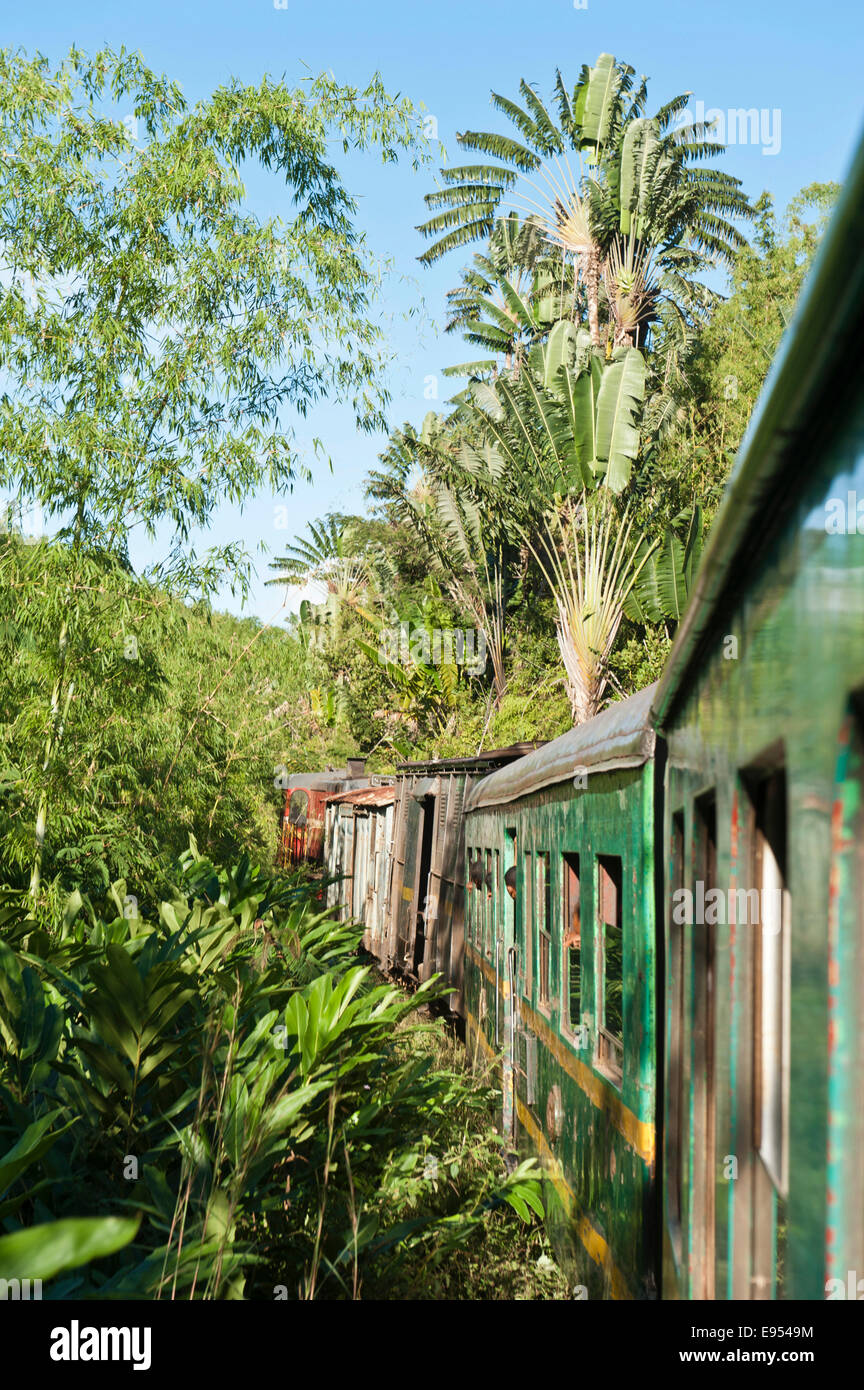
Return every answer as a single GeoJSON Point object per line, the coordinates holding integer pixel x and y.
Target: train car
{"type": "Point", "coordinates": [426, 889]}
{"type": "Point", "coordinates": [358, 835]}
{"type": "Point", "coordinates": [560, 980]}
{"type": "Point", "coordinates": [306, 793]}
{"type": "Point", "coordinates": [762, 707]}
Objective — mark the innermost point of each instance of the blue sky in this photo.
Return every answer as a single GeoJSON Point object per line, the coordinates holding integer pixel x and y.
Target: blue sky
{"type": "Point", "coordinates": [801, 60]}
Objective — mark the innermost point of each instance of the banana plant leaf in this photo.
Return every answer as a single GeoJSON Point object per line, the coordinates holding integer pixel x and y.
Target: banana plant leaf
{"type": "Point", "coordinates": [666, 578]}
{"type": "Point", "coordinates": [619, 403]}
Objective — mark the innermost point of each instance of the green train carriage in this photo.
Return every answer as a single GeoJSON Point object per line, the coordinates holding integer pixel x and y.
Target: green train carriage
{"type": "Point", "coordinates": [560, 983]}
{"type": "Point", "coordinates": [761, 706]}
{"type": "Point", "coordinates": [674, 1002]}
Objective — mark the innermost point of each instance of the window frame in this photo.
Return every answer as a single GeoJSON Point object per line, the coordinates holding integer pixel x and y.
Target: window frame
{"type": "Point", "coordinates": [609, 1047]}
{"type": "Point", "coordinates": [677, 1059]}
{"type": "Point", "coordinates": [544, 933]}
{"type": "Point", "coordinates": [571, 872]}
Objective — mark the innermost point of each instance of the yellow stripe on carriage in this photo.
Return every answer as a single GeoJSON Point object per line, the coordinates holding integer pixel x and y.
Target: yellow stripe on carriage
{"type": "Point", "coordinates": [594, 1243]}
{"type": "Point", "coordinates": [638, 1133]}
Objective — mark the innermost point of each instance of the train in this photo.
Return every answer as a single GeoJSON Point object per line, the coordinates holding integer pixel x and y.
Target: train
{"type": "Point", "coordinates": [653, 926]}
{"type": "Point", "coordinates": [302, 835]}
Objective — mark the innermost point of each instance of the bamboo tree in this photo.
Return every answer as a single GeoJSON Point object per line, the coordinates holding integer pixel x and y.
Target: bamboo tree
{"type": "Point", "coordinates": [158, 339]}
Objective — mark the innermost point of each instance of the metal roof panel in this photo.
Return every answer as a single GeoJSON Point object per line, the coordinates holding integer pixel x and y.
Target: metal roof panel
{"type": "Point", "coordinates": [622, 736]}
{"type": "Point", "coordinates": [470, 764]}
{"type": "Point", "coordinates": [365, 796]}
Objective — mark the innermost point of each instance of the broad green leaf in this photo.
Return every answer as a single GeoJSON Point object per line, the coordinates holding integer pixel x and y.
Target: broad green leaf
{"type": "Point", "coordinates": [619, 404]}
{"type": "Point", "coordinates": [41, 1252]}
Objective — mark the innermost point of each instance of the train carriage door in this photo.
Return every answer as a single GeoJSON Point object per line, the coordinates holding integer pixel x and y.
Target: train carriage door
{"type": "Point", "coordinates": [396, 879]}
{"type": "Point", "coordinates": [432, 961]}
{"type": "Point", "coordinates": [506, 976]}
{"type": "Point", "coordinates": [427, 795]}
{"type": "Point", "coordinates": [346, 835]}
{"type": "Point", "coordinates": [844, 1229]}
{"type": "Point", "coordinates": [452, 895]}
{"type": "Point", "coordinates": [360, 866]}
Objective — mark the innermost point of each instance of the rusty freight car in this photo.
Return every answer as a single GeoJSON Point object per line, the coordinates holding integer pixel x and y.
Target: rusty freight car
{"type": "Point", "coordinates": [358, 837]}
{"type": "Point", "coordinates": [423, 929]}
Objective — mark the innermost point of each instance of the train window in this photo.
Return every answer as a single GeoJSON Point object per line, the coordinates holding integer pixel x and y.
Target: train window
{"type": "Point", "coordinates": [676, 1127]}
{"type": "Point", "coordinates": [544, 925]}
{"type": "Point", "coordinates": [703, 1061]}
{"type": "Point", "coordinates": [769, 913]}
{"type": "Point", "coordinates": [610, 1050]}
{"type": "Point", "coordinates": [527, 924]}
{"type": "Point", "coordinates": [475, 878]}
{"type": "Point", "coordinates": [488, 906]}
{"type": "Point", "coordinates": [771, 1031]}
{"type": "Point", "coordinates": [571, 964]}
{"type": "Point", "coordinates": [298, 808]}
{"type": "Point", "coordinates": [468, 896]}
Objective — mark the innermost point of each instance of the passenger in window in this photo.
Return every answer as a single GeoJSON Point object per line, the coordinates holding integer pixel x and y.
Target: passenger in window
{"type": "Point", "coordinates": [574, 931]}
{"type": "Point", "coordinates": [475, 875]}
{"type": "Point", "coordinates": [510, 882]}
{"type": "Point", "coordinates": [487, 879]}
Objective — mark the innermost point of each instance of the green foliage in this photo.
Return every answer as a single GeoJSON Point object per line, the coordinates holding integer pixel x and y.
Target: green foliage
{"type": "Point", "coordinates": [51, 1249]}
{"type": "Point", "coordinates": [228, 1104]}
{"type": "Point", "coordinates": [177, 720]}
{"type": "Point", "coordinates": [153, 330]}
{"type": "Point", "coordinates": [722, 373]}
{"type": "Point", "coordinates": [153, 336]}
{"type": "Point", "coordinates": [204, 1091]}
{"type": "Point", "coordinates": [638, 219]}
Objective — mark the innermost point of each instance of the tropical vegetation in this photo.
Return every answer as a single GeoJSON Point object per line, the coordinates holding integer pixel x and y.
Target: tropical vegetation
{"type": "Point", "coordinates": [204, 1090]}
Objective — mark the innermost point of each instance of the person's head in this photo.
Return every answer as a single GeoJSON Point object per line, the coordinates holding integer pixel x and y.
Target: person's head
{"type": "Point", "coordinates": [475, 874]}
{"type": "Point", "coordinates": [510, 881]}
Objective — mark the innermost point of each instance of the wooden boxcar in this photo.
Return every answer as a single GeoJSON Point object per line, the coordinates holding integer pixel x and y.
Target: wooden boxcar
{"type": "Point", "coordinates": [560, 982]}
{"type": "Point", "coordinates": [761, 705]}
{"type": "Point", "coordinates": [358, 836]}
{"type": "Point", "coordinates": [426, 890]}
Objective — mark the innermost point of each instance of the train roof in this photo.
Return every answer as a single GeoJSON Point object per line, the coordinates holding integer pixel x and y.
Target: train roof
{"type": "Point", "coordinates": [336, 779]}
{"type": "Point", "coordinates": [622, 736]}
{"type": "Point", "coordinates": [819, 353]}
{"type": "Point", "coordinates": [364, 796]}
{"type": "Point", "coordinates": [481, 760]}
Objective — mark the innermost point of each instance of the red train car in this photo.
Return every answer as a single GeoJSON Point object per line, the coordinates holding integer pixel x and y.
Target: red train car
{"type": "Point", "coordinates": [306, 796]}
